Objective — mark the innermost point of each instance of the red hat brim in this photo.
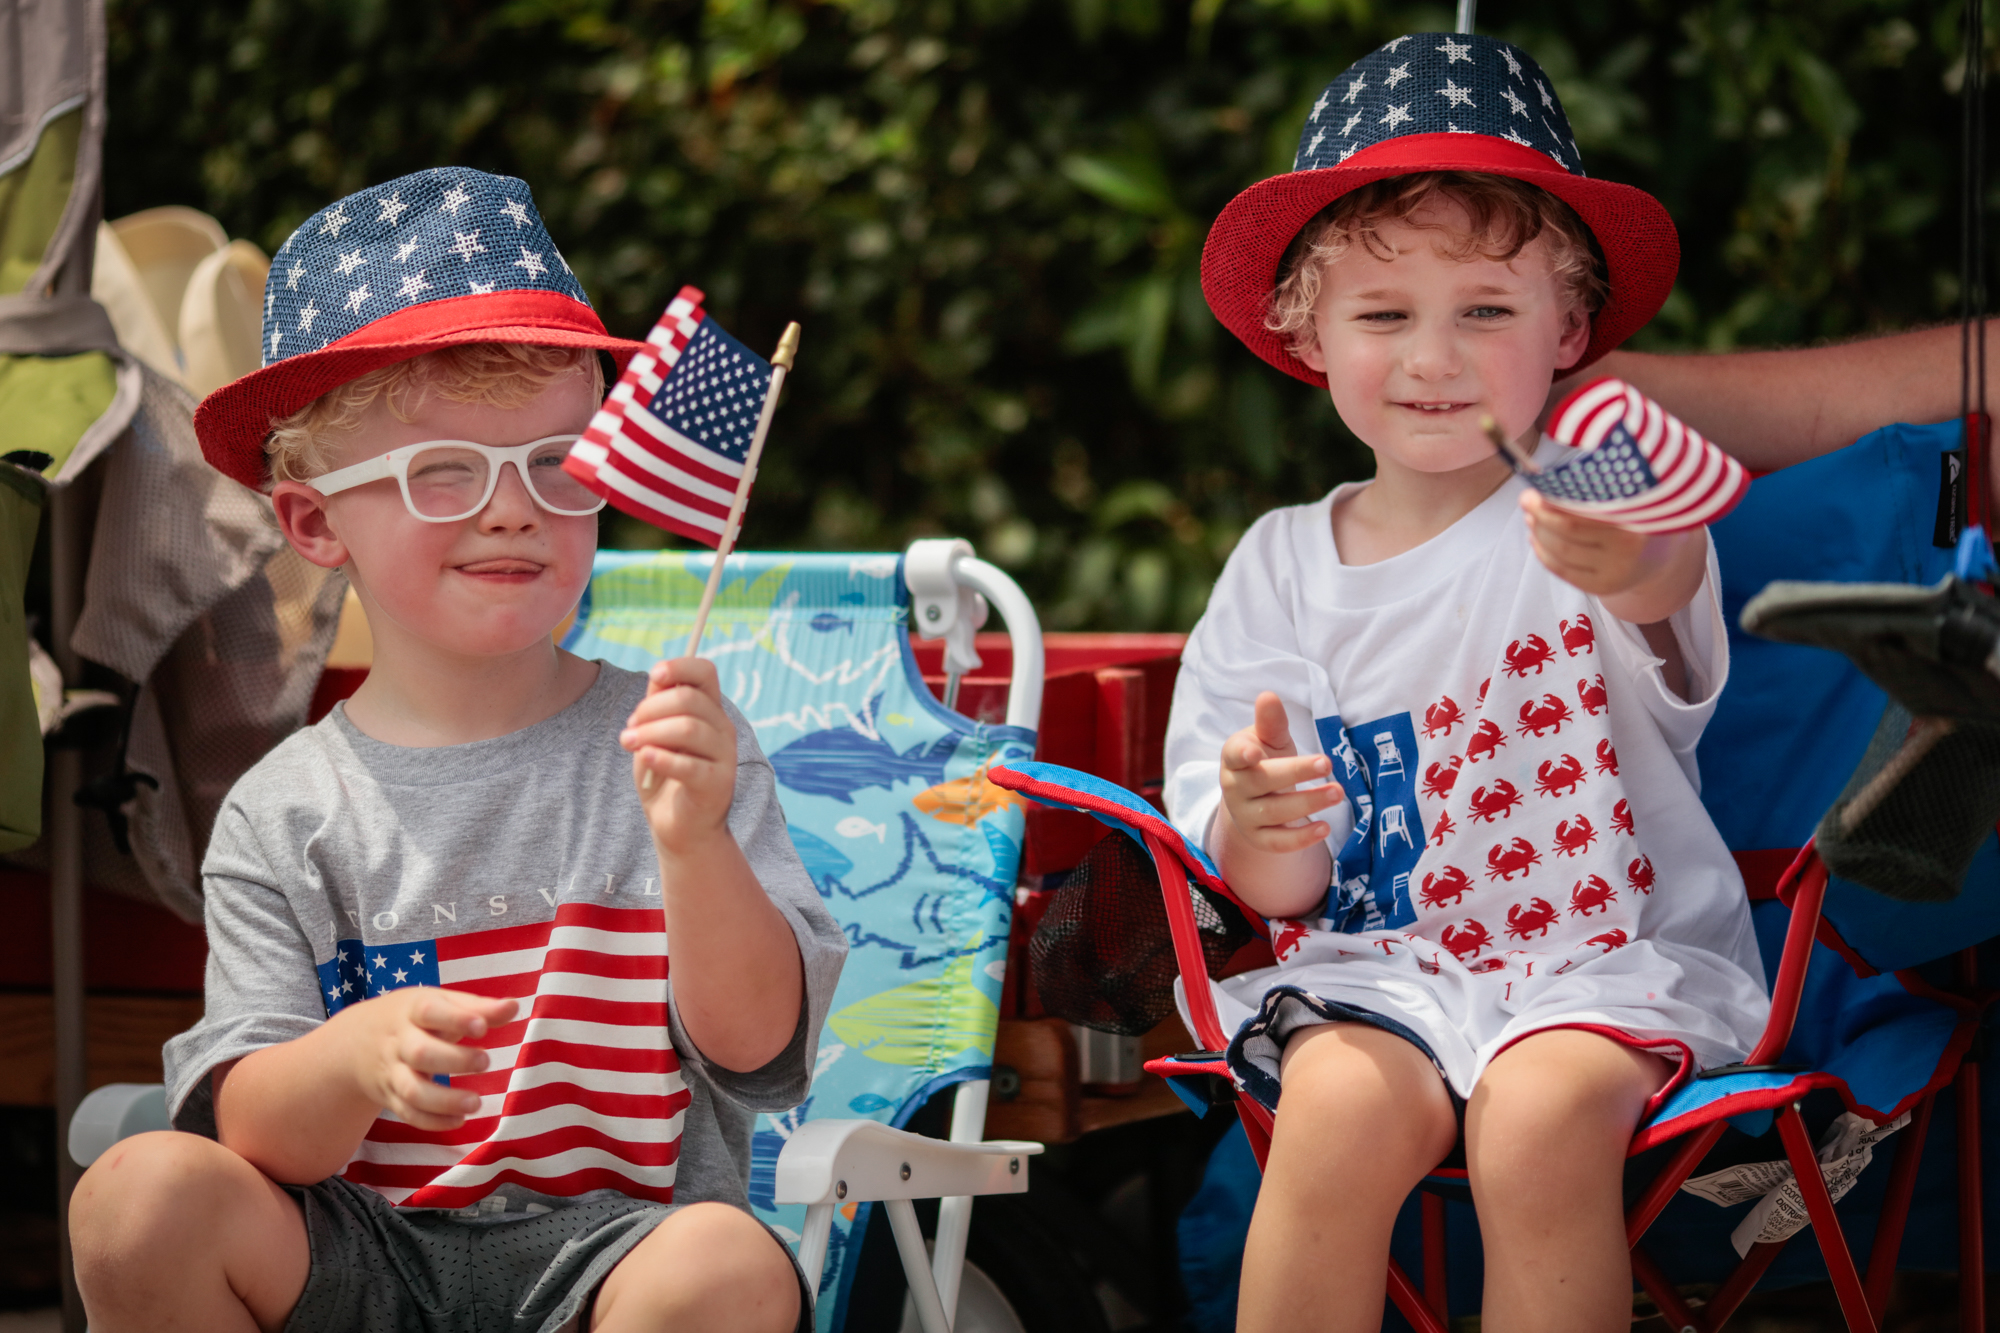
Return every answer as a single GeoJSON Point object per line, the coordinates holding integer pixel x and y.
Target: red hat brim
{"type": "Point", "coordinates": [233, 422]}
{"type": "Point", "coordinates": [1239, 264]}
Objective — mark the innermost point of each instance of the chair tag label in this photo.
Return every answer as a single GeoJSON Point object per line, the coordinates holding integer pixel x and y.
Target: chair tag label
{"type": "Point", "coordinates": [1952, 512]}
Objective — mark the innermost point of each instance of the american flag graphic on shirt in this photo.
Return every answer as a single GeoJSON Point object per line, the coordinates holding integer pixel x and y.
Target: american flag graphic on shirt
{"type": "Point", "coordinates": [670, 443]}
{"type": "Point", "coordinates": [584, 1091]}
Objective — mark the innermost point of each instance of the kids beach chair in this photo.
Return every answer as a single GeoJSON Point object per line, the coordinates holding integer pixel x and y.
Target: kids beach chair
{"type": "Point", "coordinates": [1854, 1026]}
{"type": "Point", "coordinates": [886, 797]}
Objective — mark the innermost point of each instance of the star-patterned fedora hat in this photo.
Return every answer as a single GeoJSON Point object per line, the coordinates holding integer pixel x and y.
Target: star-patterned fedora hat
{"type": "Point", "coordinates": [1435, 101]}
{"type": "Point", "coordinates": [436, 259]}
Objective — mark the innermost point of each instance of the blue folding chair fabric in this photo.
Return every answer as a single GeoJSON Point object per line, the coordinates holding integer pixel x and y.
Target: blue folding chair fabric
{"type": "Point", "coordinates": [886, 798]}
{"type": "Point", "coordinates": [1794, 721]}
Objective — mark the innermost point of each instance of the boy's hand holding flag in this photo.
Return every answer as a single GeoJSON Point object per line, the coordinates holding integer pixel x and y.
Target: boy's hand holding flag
{"type": "Point", "coordinates": [676, 442]}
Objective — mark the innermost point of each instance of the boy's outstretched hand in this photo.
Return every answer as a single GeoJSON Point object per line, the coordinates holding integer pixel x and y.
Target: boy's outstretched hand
{"type": "Point", "coordinates": [1261, 768]}
{"type": "Point", "coordinates": [1640, 578]}
{"type": "Point", "coordinates": [683, 752]}
{"type": "Point", "coordinates": [1267, 844]}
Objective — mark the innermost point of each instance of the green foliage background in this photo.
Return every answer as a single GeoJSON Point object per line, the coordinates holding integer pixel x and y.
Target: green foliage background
{"type": "Point", "coordinates": [988, 213]}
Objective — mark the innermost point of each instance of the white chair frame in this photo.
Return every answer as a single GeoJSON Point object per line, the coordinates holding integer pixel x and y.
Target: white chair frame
{"type": "Point", "coordinates": [829, 1163]}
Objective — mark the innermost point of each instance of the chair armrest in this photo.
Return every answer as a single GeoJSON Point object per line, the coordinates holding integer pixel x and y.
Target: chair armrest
{"type": "Point", "coordinates": [860, 1161]}
{"type": "Point", "coordinates": [113, 1112]}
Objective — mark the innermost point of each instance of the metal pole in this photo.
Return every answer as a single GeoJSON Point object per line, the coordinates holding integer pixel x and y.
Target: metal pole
{"type": "Point", "coordinates": [1466, 10]}
{"type": "Point", "coordinates": [65, 775]}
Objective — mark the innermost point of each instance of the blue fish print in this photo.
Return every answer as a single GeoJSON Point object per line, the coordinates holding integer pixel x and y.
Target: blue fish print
{"type": "Point", "coordinates": [842, 761]}
{"type": "Point", "coordinates": [824, 861]}
{"type": "Point", "coordinates": [868, 1103]}
{"type": "Point", "coordinates": [826, 622]}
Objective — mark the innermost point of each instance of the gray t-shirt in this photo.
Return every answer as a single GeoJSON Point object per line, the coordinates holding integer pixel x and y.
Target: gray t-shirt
{"type": "Point", "coordinates": [342, 866]}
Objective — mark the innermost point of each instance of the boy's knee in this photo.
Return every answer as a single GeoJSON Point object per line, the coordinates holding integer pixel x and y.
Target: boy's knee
{"type": "Point", "coordinates": [721, 1260]}
{"type": "Point", "coordinates": [1345, 1075]}
{"type": "Point", "coordinates": [149, 1182]}
{"type": "Point", "coordinates": [1353, 1070]}
{"type": "Point", "coordinates": [149, 1172]}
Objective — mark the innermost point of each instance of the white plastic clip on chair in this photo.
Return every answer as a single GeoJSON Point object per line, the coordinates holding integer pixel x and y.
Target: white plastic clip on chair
{"type": "Point", "coordinates": [829, 1163]}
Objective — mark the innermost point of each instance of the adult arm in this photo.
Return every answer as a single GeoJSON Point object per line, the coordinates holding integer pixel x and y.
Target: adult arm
{"type": "Point", "coordinates": [1774, 408]}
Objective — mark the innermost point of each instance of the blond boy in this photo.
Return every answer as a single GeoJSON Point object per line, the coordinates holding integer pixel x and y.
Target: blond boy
{"type": "Point", "coordinates": [447, 1077]}
{"type": "Point", "coordinates": [1440, 731]}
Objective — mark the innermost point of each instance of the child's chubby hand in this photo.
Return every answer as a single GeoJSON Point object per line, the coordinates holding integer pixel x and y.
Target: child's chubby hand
{"type": "Point", "coordinates": [1261, 770]}
{"type": "Point", "coordinates": [683, 753]}
{"type": "Point", "coordinates": [1600, 558]}
{"type": "Point", "coordinates": [398, 1040]}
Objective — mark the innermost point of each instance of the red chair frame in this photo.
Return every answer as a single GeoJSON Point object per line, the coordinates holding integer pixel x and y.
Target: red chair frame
{"type": "Point", "coordinates": [1862, 1297]}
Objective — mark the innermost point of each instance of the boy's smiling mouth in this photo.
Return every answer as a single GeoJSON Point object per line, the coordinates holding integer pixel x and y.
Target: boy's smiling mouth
{"type": "Point", "coordinates": [1435, 407]}
{"type": "Point", "coordinates": [506, 568]}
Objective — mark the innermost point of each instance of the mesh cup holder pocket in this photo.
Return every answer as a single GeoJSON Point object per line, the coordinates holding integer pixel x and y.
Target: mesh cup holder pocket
{"type": "Point", "coordinates": [1103, 956]}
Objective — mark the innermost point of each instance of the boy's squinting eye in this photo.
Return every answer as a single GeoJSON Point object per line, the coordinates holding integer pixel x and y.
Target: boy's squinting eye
{"type": "Point", "coordinates": [1488, 311]}
{"type": "Point", "coordinates": [1381, 316]}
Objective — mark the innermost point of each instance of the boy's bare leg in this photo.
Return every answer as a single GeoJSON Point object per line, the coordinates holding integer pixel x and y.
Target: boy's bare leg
{"type": "Point", "coordinates": [174, 1231]}
{"type": "Point", "coordinates": [1363, 1117]}
{"type": "Point", "coordinates": [1545, 1139]}
{"type": "Point", "coordinates": [706, 1269]}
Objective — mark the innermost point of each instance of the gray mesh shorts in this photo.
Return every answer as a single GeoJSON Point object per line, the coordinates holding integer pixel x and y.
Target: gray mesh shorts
{"type": "Point", "coordinates": [377, 1269]}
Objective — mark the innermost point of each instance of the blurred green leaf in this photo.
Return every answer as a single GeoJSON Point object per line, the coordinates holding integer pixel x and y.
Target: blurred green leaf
{"type": "Point", "coordinates": [988, 214]}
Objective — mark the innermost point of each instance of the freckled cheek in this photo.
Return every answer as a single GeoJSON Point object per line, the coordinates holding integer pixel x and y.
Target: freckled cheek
{"type": "Point", "coordinates": [576, 541]}
{"type": "Point", "coordinates": [404, 560]}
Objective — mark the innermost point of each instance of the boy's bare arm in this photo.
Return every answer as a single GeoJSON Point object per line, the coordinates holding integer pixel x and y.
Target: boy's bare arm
{"type": "Point", "coordinates": [738, 977]}
{"type": "Point", "coordinates": [1267, 844]}
{"type": "Point", "coordinates": [297, 1111]}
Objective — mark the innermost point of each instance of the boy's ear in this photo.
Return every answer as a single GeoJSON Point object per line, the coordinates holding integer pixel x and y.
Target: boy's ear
{"type": "Point", "coordinates": [302, 517]}
{"type": "Point", "coordinates": [1575, 338]}
{"type": "Point", "coordinates": [1314, 358]}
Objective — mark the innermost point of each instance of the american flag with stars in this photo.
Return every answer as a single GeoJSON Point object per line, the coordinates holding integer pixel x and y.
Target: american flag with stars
{"type": "Point", "coordinates": [584, 1090]}
{"type": "Point", "coordinates": [1635, 464]}
{"type": "Point", "coordinates": [670, 443]}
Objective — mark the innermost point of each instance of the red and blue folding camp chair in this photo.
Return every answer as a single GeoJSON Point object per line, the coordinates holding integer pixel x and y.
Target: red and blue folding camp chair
{"type": "Point", "coordinates": [1852, 1020]}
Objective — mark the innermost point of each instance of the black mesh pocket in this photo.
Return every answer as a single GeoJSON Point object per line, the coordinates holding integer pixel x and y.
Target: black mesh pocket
{"type": "Point", "coordinates": [1923, 798]}
{"type": "Point", "coordinates": [1103, 956]}
{"type": "Point", "coordinates": [1927, 792]}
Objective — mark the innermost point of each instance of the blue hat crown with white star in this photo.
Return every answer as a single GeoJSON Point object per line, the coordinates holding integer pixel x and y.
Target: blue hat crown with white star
{"type": "Point", "coordinates": [1438, 83]}
{"type": "Point", "coordinates": [449, 231]}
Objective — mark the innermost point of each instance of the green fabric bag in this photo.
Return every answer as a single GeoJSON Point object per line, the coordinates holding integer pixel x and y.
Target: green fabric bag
{"type": "Point", "coordinates": [21, 498]}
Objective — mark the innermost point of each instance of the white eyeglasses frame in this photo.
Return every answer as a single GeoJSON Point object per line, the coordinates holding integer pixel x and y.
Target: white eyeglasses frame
{"type": "Point", "coordinates": [396, 463]}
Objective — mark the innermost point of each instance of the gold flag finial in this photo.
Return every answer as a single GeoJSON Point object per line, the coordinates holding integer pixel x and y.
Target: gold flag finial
{"type": "Point", "coordinates": [788, 346]}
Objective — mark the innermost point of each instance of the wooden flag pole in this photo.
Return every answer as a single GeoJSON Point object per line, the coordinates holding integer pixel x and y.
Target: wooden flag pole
{"type": "Point", "coordinates": [781, 363]}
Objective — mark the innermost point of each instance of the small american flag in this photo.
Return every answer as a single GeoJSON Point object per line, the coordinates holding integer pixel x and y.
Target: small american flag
{"type": "Point", "coordinates": [1635, 464]}
{"type": "Point", "coordinates": [670, 443]}
{"type": "Point", "coordinates": [584, 1091]}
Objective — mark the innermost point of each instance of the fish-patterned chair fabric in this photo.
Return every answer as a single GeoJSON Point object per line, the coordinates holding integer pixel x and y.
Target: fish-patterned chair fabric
{"type": "Point", "coordinates": [886, 797]}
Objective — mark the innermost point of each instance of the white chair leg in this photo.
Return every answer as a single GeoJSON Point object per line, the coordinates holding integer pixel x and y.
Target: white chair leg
{"type": "Point", "coordinates": [916, 1265]}
{"type": "Point", "coordinates": [812, 1245]}
{"type": "Point", "coordinates": [968, 1125]}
